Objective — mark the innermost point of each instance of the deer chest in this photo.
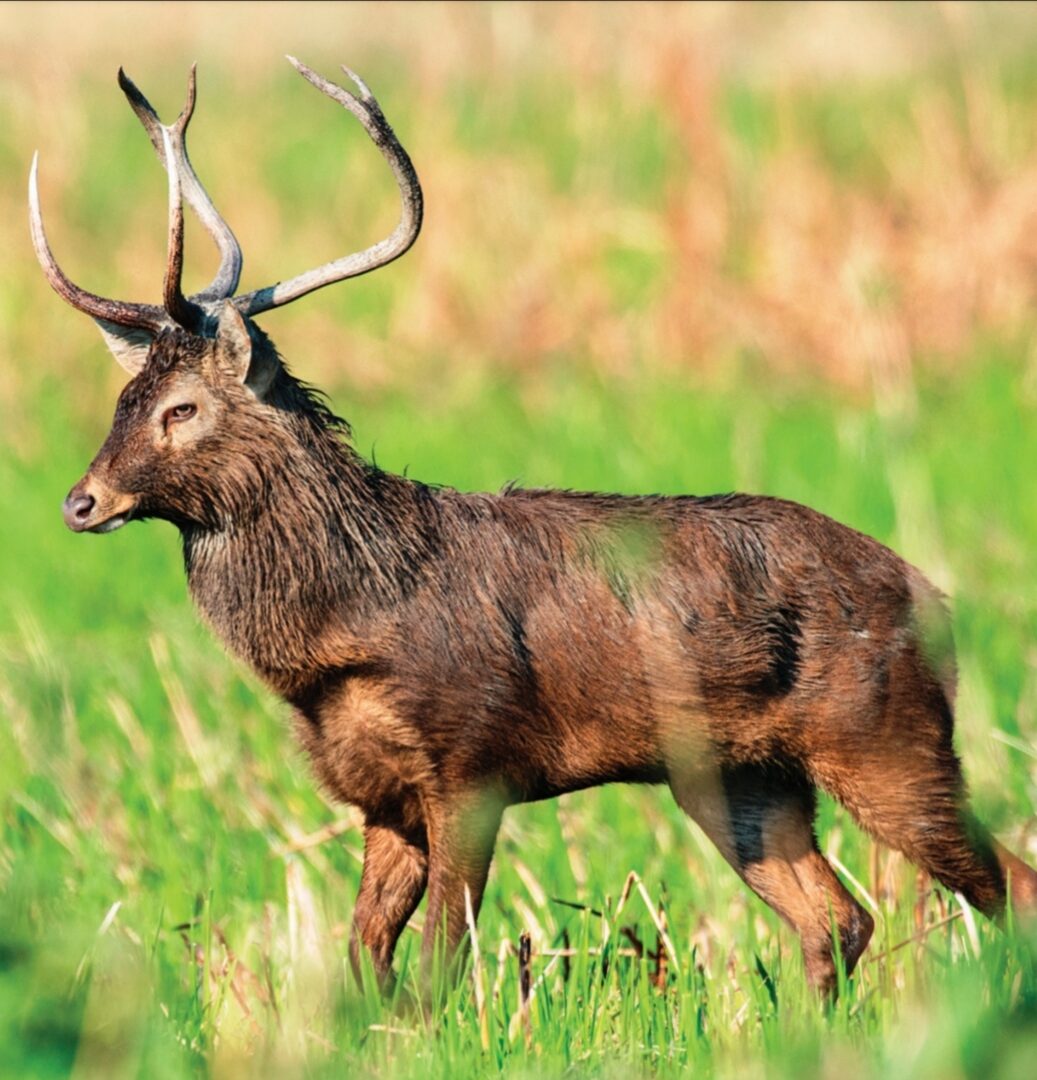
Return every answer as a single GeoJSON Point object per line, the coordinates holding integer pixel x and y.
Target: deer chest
{"type": "Point", "coordinates": [361, 748]}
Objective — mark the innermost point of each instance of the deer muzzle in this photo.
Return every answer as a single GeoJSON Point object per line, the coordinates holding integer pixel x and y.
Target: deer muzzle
{"type": "Point", "coordinates": [90, 507]}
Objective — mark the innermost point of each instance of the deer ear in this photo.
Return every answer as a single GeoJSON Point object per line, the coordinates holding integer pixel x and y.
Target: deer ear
{"type": "Point", "coordinates": [129, 345]}
{"type": "Point", "coordinates": [236, 356]}
{"type": "Point", "coordinates": [233, 342]}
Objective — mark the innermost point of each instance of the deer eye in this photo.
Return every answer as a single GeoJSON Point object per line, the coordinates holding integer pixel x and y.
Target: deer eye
{"type": "Point", "coordinates": [178, 413]}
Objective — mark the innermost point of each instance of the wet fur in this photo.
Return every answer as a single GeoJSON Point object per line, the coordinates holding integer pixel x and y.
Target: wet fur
{"type": "Point", "coordinates": [449, 654]}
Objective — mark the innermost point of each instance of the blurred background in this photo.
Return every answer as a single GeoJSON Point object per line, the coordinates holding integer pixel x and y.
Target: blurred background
{"type": "Point", "coordinates": [781, 247]}
{"type": "Point", "coordinates": [814, 189]}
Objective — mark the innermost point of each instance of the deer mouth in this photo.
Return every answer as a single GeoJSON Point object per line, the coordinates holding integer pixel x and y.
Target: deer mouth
{"type": "Point", "coordinates": [110, 524]}
{"type": "Point", "coordinates": [84, 513]}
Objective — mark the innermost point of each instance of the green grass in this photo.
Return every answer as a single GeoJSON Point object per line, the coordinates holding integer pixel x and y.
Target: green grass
{"type": "Point", "coordinates": [635, 276]}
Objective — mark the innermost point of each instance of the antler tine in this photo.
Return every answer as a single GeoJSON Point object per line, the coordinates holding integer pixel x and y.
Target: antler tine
{"type": "Point", "coordinates": [140, 316]}
{"type": "Point", "coordinates": [186, 313]}
{"type": "Point", "coordinates": [227, 277]}
{"type": "Point", "coordinates": [367, 110]}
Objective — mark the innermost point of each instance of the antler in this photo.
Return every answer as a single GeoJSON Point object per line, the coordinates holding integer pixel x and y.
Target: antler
{"type": "Point", "coordinates": [226, 281]}
{"type": "Point", "coordinates": [178, 310]}
{"type": "Point", "coordinates": [116, 312]}
{"type": "Point", "coordinates": [132, 323]}
{"type": "Point", "coordinates": [367, 110]}
{"type": "Point", "coordinates": [185, 312]}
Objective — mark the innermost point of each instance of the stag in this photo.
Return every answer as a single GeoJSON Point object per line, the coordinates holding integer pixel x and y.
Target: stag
{"type": "Point", "coordinates": [447, 655]}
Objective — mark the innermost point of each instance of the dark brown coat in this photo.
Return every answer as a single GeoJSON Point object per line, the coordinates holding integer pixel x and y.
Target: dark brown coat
{"type": "Point", "coordinates": [448, 655]}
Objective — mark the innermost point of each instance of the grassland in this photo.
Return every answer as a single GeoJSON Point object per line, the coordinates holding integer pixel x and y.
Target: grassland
{"type": "Point", "coordinates": [643, 270]}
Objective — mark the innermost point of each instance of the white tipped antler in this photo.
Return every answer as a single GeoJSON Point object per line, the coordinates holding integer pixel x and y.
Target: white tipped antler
{"type": "Point", "coordinates": [117, 312]}
{"type": "Point", "coordinates": [367, 110]}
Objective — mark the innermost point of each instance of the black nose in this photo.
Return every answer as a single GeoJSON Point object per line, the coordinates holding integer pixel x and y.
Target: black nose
{"type": "Point", "coordinates": [77, 509]}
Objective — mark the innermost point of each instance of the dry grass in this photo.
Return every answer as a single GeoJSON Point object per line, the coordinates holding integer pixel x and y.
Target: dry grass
{"type": "Point", "coordinates": [666, 185]}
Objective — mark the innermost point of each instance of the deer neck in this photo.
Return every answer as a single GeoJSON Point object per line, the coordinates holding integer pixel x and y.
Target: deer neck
{"type": "Point", "coordinates": [330, 544]}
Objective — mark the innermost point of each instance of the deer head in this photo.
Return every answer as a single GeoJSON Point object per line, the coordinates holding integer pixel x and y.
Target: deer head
{"type": "Point", "coordinates": [206, 382]}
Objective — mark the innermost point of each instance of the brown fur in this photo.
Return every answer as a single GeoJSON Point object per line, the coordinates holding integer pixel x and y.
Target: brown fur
{"type": "Point", "coordinates": [449, 654]}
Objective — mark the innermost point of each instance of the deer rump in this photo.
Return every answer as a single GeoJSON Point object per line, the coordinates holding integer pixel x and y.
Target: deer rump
{"type": "Point", "coordinates": [448, 655]}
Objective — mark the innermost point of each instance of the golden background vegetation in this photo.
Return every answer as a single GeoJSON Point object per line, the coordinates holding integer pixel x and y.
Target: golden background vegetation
{"type": "Point", "coordinates": [660, 184]}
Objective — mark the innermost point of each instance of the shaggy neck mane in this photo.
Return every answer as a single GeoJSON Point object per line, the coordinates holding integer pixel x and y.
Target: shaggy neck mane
{"type": "Point", "coordinates": [310, 541]}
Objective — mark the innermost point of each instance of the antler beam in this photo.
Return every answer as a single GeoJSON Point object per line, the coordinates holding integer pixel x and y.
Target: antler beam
{"type": "Point", "coordinates": [117, 312]}
{"type": "Point", "coordinates": [225, 282]}
{"type": "Point", "coordinates": [367, 110]}
{"type": "Point", "coordinates": [186, 313]}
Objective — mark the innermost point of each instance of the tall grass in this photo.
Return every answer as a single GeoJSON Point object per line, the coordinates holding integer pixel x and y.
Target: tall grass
{"type": "Point", "coordinates": [666, 250]}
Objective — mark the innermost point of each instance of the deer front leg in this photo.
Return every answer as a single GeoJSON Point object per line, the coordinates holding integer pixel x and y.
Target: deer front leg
{"type": "Point", "coordinates": [391, 885]}
{"type": "Point", "coordinates": [461, 838]}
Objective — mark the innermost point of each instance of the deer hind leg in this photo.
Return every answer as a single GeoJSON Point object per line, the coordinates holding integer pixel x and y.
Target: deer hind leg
{"type": "Point", "coordinates": [391, 886]}
{"type": "Point", "coordinates": [761, 819]}
{"type": "Point", "coordinates": [913, 798]}
{"type": "Point", "coordinates": [897, 773]}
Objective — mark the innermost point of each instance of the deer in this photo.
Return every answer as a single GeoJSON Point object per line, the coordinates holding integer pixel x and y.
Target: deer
{"type": "Point", "coordinates": [447, 655]}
